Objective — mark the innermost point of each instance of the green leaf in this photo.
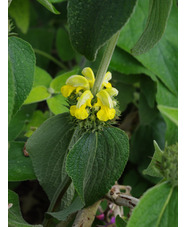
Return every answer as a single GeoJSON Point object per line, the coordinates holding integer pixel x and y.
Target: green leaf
{"type": "Point", "coordinates": [149, 90]}
{"type": "Point", "coordinates": [96, 161]}
{"type": "Point", "coordinates": [17, 123]}
{"type": "Point", "coordinates": [147, 114]}
{"type": "Point", "coordinates": [170, 112]}
{"type": "Point", "coordinates": [22, 60]}
{"type": "Point", "coordinates": [142, 140]}
{"type": "Point", "coordinates": [151, 169]}
{"type": "Point", "coordinates": [60, 80]}
{"type": "Point", "coordinates": [19, 10]}
{"type": "Point", "coordinates": [87, 32]}
{"type": "Point", "coordinates": [123, 62]}
{"type": "Point", "coordinates": [171, 132]}
{"type": "Point", "coordinates": [19, 167]}
{"type": "Point", "coordinates": [158, 207]}
{"type": "Point", "coordinates": [63, 45]}
{"type": "Point", "coordinates": [11, 91]}
{"type": "Point", "coordinates": [56, 1]}
{"type": "Point", "coordinates": [166, 98]}
{"type": "Point", "coordinates": [63, 214]}
{"type": "Point", "coordinates": [161, 59]}
{"type": "Point", "coordinates": [36, 120]}
{"type": "Point", "coordinates": [37, 94]}
{"type": "Point", "coordinates": [155, 26]}
{"type": "Point", "coordinates": [41, 78]}
{"type": "Point", "coordinates": [47, 4]}
{"type": "Point", "coordinates": [58, 104]}
{"type": "Point", "coordinates": [48, 147]}
{"type": "Point", "coordinates": [14, 214]}
{"type": "Point", "coordinates": [42, 39]}
{"type": "Point", "coordinates": [126, 90]}
{"type": "Point", "coordinates": [120, 222]}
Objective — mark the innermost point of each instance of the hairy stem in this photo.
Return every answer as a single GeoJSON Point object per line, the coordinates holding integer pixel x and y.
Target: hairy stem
{"type": "Point", "coordinates": [44, 54]}
{"type": "Point", "coordinates": [105, 61]}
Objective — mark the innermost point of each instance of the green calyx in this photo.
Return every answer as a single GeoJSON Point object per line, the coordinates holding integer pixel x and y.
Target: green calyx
{"type": "Point", "coordinates": [92, 123]}
{"type": "Point", "coordinates": [168, 166]}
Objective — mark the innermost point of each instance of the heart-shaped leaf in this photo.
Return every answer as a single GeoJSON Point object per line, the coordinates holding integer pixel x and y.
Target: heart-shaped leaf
{"type": "Point", "coordinates": [96, 161]}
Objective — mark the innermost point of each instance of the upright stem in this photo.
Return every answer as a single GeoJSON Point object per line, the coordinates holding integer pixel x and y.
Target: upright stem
{"type": "Point", "coordinates": [44, 54]}
{"type": "Point", "coordinates": [105, 61]}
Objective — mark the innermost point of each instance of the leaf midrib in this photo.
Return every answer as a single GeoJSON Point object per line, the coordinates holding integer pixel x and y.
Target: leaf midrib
{"type": "Point", "coordinates": [164, 207]}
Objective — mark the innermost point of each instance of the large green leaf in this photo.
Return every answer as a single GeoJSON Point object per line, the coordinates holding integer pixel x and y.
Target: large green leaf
{"type": "Point", "coordinates": [48, 147]}
{"type": "Point", "coordinates": [96, 161]}
{"type": "Point", "coordinates": [92, 23]}
{"type": "Point", "coordinates": [11, 91]}
{"type": "Point", "coordinates": [161, 59]}
{"type": "Point", "coordinates": [14, 214]}
{"type": "Point", "coordinates": [19, 10]}
{"type": "Point", "coordinates": [123, 62]}
{"type": "Point", "coordinates": [63, 45]}
{"type": "Point", "coordinates": [19, 167]}
{"type": "Point", "coordinates": [22, 60]}
{"type": "Point", "coordinates": [155, 26]}
{"type": "Point", "coordinates": [157, 208]}
{"type": "Point", "coordinates": [47, 4]}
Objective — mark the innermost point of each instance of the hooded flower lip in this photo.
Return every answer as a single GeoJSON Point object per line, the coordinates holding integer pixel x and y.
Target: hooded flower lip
{"type": "Point", "coordinates": [78, 82]}
{"type": "Point", "coordinates": [79, 110]}
{"type": "Point", "coordinates": [107, 112]}
{"type": "Point", "coordinates": [108, 76]}
{"type": "Point", "coordinates": [89, 75]}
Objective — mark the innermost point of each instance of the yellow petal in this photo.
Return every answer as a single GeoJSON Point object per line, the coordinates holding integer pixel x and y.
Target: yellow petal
{"type": "Point", "coordinates": [78, 81]}
{"type": "Point", "coordinates": [81, 113]}
{"type": "Point", "coordinates": [78, 89]}
{"type": "Point", "coordinates": [105, 113]}
{"type": "Point", "coordinates": [105, 99]}
{"type": "Point", "coordinates": [108, 85]}
{"type": "Point", "coordinates": [89, 75]}
{"type": "Point", "coordinates": [66, 90]}
{"type": "Point", "coordinates": [84, 98]}
{"type": "Point", "coordinates": [108, 76]}
{"type": "Point", "coordinates": [112, 91]}
{"type": "Point", "coordinates": [73, 110]}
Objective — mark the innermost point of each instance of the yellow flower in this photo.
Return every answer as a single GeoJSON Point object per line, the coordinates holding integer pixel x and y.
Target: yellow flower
{"type": "Point", "coordinates": [78, 82]}
{"type": "Point", "coordinates": [79, 110]}
{"type": "Point", "coordinates": [104, 100]}
{"type": "Point", "coordinates": [104, 106]}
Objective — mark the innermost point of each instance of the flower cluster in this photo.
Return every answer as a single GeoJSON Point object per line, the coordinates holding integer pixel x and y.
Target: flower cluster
{"type": "Point", "coordinates": [103, 105]}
